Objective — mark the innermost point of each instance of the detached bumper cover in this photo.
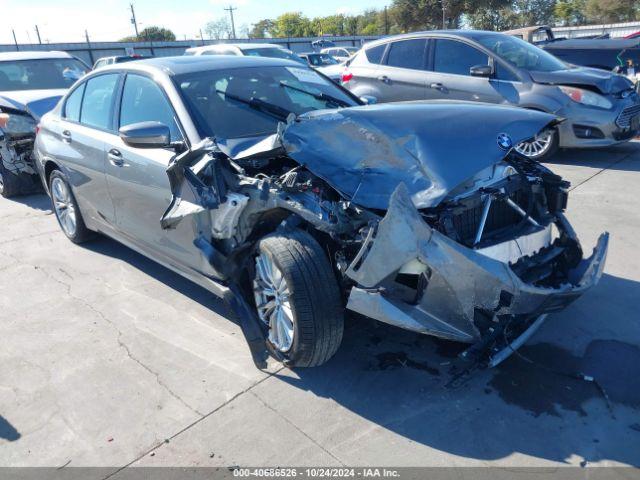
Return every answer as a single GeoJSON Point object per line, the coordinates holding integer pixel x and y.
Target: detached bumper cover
{"type": "Point", "coordinates": [460, 280]}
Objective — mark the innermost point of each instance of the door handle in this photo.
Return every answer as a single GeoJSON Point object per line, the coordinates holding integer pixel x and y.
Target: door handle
{"type": "Point", "coordinates": [384, 79]}
{"type": "Point", "coordinates": [66, 136]}
{"type": "Point", "coordinates": [115, 158]}
{"type": "Point", "coordinates": [438, 86]}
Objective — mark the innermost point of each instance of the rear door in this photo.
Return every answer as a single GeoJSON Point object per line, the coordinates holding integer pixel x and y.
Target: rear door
{"type": "Point", "coordinates": [450, 77]}
{"type": "Point", "coordinates": [402, 74]}
{"type": "Point", "coordinates": [363, 70]}
{"type": "Point", "coordinates": [137, 177]}
{"type": "Point", "coordinates": [85, 125]}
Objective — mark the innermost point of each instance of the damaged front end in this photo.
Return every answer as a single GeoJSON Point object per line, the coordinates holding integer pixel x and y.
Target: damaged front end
{"type": "Point", "coordinates": [482, 270]}
{"type": "Point", "coordinates": [18, 173]}
{"type": "Point", "coordinates": [424, 235]}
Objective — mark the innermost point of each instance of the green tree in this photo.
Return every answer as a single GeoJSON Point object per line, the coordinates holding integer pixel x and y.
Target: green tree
{"type": "Point", "coordinates": [570, 12]}
{"type": "Point", "coordinates": [152, 34]}
{"type": "Point", "coordinates": [262, 28]}
{"type": "Point", "coordinates": [608, 11]}
{"type": "Point", "coordinates": [291, 24]}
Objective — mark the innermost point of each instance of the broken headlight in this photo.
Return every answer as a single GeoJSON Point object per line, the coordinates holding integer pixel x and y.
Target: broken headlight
{"type": "Point", "coordinates": [17, 124]}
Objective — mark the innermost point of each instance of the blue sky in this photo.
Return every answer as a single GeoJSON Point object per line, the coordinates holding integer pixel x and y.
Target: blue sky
{"type": "Point", "coordinates": [66, 20]}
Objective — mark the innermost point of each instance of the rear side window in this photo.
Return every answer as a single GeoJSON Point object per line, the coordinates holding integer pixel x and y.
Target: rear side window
{"type": "Point", "coordinates": [72, 107]}
{"type": "Point", "coordinates": [407, 54]}
{"type": "Point", "coordinates": [97, 102]}
{"type": "Point", "coordinates": [374, 54]}
{"type": "Point", "coordinates": [456, 57]}
{"type": "Point", "coordinates": [144, 101]}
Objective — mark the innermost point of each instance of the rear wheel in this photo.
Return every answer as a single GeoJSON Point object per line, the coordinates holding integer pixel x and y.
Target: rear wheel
{"type": "Point", "coordinates": [541, 147]}
{"type": "Point", "coordinates": [297, 298]}
{"type": "Point", "coordinates": [66, 209]}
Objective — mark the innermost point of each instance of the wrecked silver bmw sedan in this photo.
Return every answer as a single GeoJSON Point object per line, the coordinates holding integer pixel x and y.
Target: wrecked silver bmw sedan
{"type": "Point", "coordinates": [278, 190]}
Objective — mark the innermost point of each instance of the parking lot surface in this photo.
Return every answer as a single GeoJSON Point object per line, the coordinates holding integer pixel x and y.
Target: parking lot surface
{"type": "Point", "coordinates": [108, 359]}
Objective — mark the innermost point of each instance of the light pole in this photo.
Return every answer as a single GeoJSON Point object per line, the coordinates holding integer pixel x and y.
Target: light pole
{"type": "Point", "coordinates": [233, 25]}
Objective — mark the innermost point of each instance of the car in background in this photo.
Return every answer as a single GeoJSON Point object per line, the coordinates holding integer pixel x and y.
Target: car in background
{"type": "Point", "coordinates": [324, 63]}
{"type": "Point", "coordinates": [599, 108]}
{"type": "Point", "coordinates": [341, 53]}
{"type": "Point", "coordinates": [31, 83]}
{"type": "Point", "coordinates": [268, 50]}
{"type": "Point", "coordinates": [104, 61]}
{"type": "Point", "coordinates": [278, 190]}
{"type": "Point", "coordinates": [604, 53]}
{"type": "Point", "coordinates": [321, 43]}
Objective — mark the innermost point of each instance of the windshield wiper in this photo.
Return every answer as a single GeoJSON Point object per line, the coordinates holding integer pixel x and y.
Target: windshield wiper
{"type": "Point", "coordinates": [272, 109]}
{"type": "Point", "coordinates": [318, 96]}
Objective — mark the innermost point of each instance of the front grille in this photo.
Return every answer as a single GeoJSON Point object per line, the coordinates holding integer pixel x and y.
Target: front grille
{"type": "Point", "coordinates": [624, 119]}
{"type": "Point", "coordinates": [501, 215]}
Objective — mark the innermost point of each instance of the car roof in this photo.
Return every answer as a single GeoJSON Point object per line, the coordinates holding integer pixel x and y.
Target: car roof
{"type": "Point", "coordinates": [470, 34]}
{"type": "Point", "coordinates": [189, 64]}
{"type": "Point", "coordinates": [241, 46]}
{"type": "Point", "coordinates": [34, 55]}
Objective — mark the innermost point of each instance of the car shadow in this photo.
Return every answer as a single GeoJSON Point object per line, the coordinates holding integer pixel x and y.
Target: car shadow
{"type": "Point", "coordinates": [37, 201]}
{"type": "Point", "coordinates": [623, 157]}
{"type": "Point", "coordinates": [532, 404]}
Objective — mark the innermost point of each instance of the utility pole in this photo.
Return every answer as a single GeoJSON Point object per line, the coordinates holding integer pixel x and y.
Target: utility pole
{"type": "Point", "coordinates": [201, 38]}
{"type": "Point", "coordinates": [233, 25]}
{"type": "Point", "coordinates": [86, 36]}
{"type": "Point", "coordinates": [38, 32]}
{"type": "Point", "coordinates": [444, 10]}
{"type": "Point", "coordinates": [133, 20]}
{"type": "Point", "coordinates": [386, 21]}
{"type": "Point", "coordinates": [15, 40]}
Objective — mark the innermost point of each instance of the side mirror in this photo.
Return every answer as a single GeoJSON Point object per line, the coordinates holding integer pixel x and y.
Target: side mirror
{"type": "Point", "coordinates": [481, 71]}
{"type": "Point", "coordinates": [146, 135]}
{"type": "Point", "coordinates": [369, 99]}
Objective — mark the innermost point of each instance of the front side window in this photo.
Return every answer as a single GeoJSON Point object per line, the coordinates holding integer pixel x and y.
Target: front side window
{"type": "Point", "coordinates": [98, 100]}
{"type": "Point", "coordinates": [407, 54]}
{"type": "Point", "coordinates": [43, 74]}
{"type": "Point", "coordinates": [144, 101]}
{"type": "Point", "coordinates": [73, 104]}
{"type": "Point", "coordinates": [374, 54]}
{"type": "Point", "coordinates": [218, 99]}
{"type": "Point", "coordinates": [456, 57]}
{"type": "Point", "coordinates": [521, 54]}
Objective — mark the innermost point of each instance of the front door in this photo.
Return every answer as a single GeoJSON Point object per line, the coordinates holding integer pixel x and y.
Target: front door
{"type": "Point", "coordinates": [450, 77]}
{"type": "Point", "coordinates": [138, 180]}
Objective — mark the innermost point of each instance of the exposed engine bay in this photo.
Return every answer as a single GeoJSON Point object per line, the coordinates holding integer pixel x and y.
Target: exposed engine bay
{"type": "Point", "coordinates": [481, 263]}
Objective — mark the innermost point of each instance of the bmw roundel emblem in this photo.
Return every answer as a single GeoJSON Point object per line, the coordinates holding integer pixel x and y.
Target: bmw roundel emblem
{"type": "Point", "coordinates": [504, 141]}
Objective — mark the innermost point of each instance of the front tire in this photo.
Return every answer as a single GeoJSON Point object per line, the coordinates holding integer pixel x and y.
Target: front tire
{"type": "Point", "coordinates": [298, 298]}
{"type": "Point", "coordinates": [12, 184]}
{"type": "Point", "coordinates": [66, 209]}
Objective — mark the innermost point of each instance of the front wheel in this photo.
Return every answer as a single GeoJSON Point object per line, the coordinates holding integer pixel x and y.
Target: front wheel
{"type": "Point", "coordinates": [541, 147]}
{"type": "Point", "coordinates": [297, 298]}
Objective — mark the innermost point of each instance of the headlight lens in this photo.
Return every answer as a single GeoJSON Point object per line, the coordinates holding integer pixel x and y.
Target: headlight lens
{"type": "Point", "coordinates": [586, 97]}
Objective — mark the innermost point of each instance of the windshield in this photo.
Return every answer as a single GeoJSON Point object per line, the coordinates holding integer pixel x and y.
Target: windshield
{"type": "Point", "coordinates": [44, 74]}
{"type": "Point", "coordinates": [212, 97]}
{"type": "Point", "coordinates": [521, 54]}
{"type": "Point", "coordinates": [272, 52]}
{"type": "Point", "coordinates": [319, 60]}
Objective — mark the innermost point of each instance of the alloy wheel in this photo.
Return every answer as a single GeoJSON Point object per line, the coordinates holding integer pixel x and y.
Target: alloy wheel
{"type": "Point", "coordinates": [271, 294]}
{"type": "Point", "coordinates": [1, 182]}
{"type": "Point", "coordinates": [64, 206]}
{"type": "Point", "coordinates": [538, 146]}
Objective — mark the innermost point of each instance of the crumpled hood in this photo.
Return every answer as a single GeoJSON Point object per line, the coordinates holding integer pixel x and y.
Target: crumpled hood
{"type": "Point", "coordinates": [605, 82]}
{"type": "Point", "coordinates": [35, 102]}
{"type": "Point", "coordinates": [366, 152]}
